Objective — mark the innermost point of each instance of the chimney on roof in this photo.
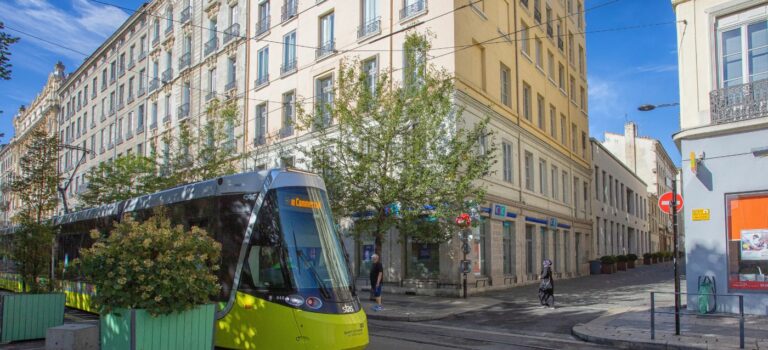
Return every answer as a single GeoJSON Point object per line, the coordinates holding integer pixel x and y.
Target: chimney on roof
{"type": "Point", "coordinates": [630, 147]}
{"type": "Point", "coordinates": [58, 69]}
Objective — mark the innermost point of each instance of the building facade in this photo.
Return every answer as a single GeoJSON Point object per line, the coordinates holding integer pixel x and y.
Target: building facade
{"type": "Point", "coordinates": [526, 71]}
{"type": "Point", "coordinates": [724, 125]}
{"type": "Point", "coordinates": [647, 158]}
{"type": "Point", "coordinates": [620, 212]}
{"type": "Point", "coordinates": [160, 69]}
{"type": "Point", "coordinates": [42, 113]}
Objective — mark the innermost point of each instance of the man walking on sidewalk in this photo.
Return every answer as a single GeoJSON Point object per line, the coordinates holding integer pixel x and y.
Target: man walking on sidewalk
{"type": "Point", "coordinates": [377, 279]}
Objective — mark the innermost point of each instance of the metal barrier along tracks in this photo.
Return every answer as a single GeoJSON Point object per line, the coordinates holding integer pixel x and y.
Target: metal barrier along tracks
{"type": "Point", "coordinates": [740, 315]}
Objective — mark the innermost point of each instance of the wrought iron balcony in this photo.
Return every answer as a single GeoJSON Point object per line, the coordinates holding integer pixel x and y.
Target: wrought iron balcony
{"type": "Point", "coordinates": [230, 85]}
{"type": "Point", "coordinates": [131, 64]}
{"type": "Point", "coordinates": [211, 46]}
{"type": "Point", "coordinates": [259, 140]}
{"type": "Point", "coordinates": [413, 9]}
{"type": "Point", "coordinates": [289, 10]}
{"type": "Point", "coordinates": [167, 118]}
{"type": "Point", "coordinates": [325, 49]}
{"type": "Point", "coordinates": [140, 129]}
{"type": "Point", "coordinates": [369, 28]}
{"type": "Point", "coordinates": [524, 2]}
{"type": "Point", "coordinates": [550, 31]}
{"type": "Point", "coordinates": [154, 83]}
{"type": "Point", "coordinates": [183, 111]}
{"type": "Point", "coordinates": [167, 75]}
{"type": "Point", "coordinates": [233, 32]}
{"type": "Point", "coordinates": [168, 30]}
{"type": "Point", "coordinates": [186, 14]}
{"type": "Point", "coordinates": [740, 102]}
{"type": "Point", "coordinates": [537, 15]}
{"type": "Point", "coordinates": [286, 131]}
{"type": "Point", "coordinates": [185, 60]}
{"type": "Point", "coordinates": [288, 67]}
{"type": "Point", "coordinates": [262, 26]}
{"type": "Point", "coordinates": [210, 95]}
{"type": "Point", "coordinates": [261, 80]}
{"type": "Point", "coordinates": [142, 55]}
{"type": "Point", "coordinates": [155, 40]}
{"type": "Point", "coordinates": [130, 98]}
{"type": "Point", "coordinates": [142, 91]}
{"type": "Point", "coordinates": [153, 126]}
{"type": "Point", "coordinates": [121, 71]}
{"type": "Point", "coordinates": [120, 105]}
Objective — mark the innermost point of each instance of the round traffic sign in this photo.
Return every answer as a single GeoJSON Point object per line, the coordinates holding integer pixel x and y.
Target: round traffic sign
{"type": "Point", "coordinates": [665, 202]}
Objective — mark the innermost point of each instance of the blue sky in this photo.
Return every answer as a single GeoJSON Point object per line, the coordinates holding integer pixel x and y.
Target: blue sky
{"type": "Point", "coordinates": [626, 68]}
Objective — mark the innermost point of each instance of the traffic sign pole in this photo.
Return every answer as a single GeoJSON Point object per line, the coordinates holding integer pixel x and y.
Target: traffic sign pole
{"type": "Point", "coordinates": [673, 212]}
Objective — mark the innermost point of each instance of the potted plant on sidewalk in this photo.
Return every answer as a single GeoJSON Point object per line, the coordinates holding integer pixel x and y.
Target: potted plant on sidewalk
{"type": "Point", "coordinates": [621, 262]}
{"type": "Point", "coordinates": [631, 259]}
{"type": "Point", "coordinates": [152, 276]}
{"type": "Point", "coordinates": [647, 259]}
{"type": "Point", "coordinates": [29, 314]}
{"type": "Point", "coordinates": [608, 264]}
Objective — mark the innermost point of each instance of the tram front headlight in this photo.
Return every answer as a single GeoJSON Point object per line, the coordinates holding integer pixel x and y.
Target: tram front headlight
{"type": "Point", "coordinates": [314, 303]}
{"type": "Point", "coordinates": [294, 300]}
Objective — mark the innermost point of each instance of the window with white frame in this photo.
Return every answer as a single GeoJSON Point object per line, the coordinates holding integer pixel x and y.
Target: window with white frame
{"type": "Point", "coordinates": [539, 54]}
{"type": "Point", "coordinates": [524, 42]}
{"type": "Point", "coordinates": [555, 172]}
{"type": "Point", "coordinates": [742, 40]}
{"type": "Point", "coordinates": [528, 171]}
{"type": "Point", "coordinates": [262, 68]}
{"type": "Point", "coordinates": [552, 121]}
{"type": "Point", "coordinates": [540, 103]}
{"type": "Point", "coordinates": [324, 97]}
{"type": "Point", "coordinates": [505, 81]}
{"type": "Point", "coordinates": [543, 189]}
{"type": "Point", "coordinates": [289, 52]}
{"type": "Point", "coordinates": [527, 102]}
{"type": "Point", "coordinates": [507, 161]}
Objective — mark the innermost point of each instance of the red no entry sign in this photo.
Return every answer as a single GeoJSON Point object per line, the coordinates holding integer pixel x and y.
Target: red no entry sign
{"type": "Point", "coordinates": [665, 202]}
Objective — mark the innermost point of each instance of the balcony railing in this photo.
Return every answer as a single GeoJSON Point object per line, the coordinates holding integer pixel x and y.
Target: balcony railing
{"type": "Point", "coordinates": [369, 28]}
{"type": "Point", "coordinates": [288, 67]}
{"type": "Point", "coordinates": [230, 85]}
{"type": "Point", "coordinates": [121, 71]}
{"type": "Point", "coordinates": [210, 95]}
{"type": "Point", "coordinates": [140, 129]}
{"type": "Point", "coordinates": [413, 9]}
{"type": "Point", "coordinates": [524, 2]}
{"type": "Point", "coordinates": [154, 83]}
{"type": "Point", "coordinates": [740, 102]}
{"type": "Point", "coordinates": [550, 31]}
{"type": "Point", "coordinates": [186, 14]}
{"type": "Point", "coordinates": [262, 26]}
{"type": "Point", "coordinates": [130, 98]}
{"type": "Point", "coordinates": [153, 125]}
{"type": "Point", "coordinates": [286, 131]}
{"type": "Point", "coordinates": [167, 118]}
{"type": "Point", "coordinates": [261, 80]}
{"type": "Point", "coordinates": [185, 60]}
{"type": "Point", "coordinates": [168, 30]}
{"type": "Point", "coordinates": [120, 105]}
{"type": "Point", "coordinates": [155, 40]}
{"type": "Point", "coordinates": [131, 64]}
{"type": "Point", "coordinates": [183, 111]}
{"type": "Point", "coordinates": [325, 49]}
{"type": "Point", "coordinates": [93, 123]}
{"type": "Point", "coordinates": [232, 32]}
{"type": "Point", "coordinates": [211, 46]}
{"type": "Point", "coordinates": [142, 55]}
{"type": "Point", "coordinates": [142, 91]}
{"type": "Point", "coordinates": [289, 10]}
{"type": "Point", "coordinates": [167, 75]}
{"type": "Point", "coordinates": [259, 140]}
{"type": "Point", "coordinates": [537, 15]}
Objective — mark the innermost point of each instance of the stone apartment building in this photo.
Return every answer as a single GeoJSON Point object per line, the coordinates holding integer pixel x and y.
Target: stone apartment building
{"type": "Point", "coordinates": [620, 206]}
{"type": "Point", "coordinates": [520, 62]}
{"type": "Point", "coordinates": [527, 72]}
{"type": "Point", "coordinates": [647, 158]}
{"type": "Point", "coordinates": [724, 128]}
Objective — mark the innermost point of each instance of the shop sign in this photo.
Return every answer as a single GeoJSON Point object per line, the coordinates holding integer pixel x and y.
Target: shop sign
{"type": "Point", "coordinates": [700, 214]}
{"type": "Point", "coordinates": [552, 223]}
{"type": "Point", "coordinates": [499, 211]}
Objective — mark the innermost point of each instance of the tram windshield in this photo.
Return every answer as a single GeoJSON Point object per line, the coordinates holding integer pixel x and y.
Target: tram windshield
{"type": "Point", "coordinates": [315, 255]}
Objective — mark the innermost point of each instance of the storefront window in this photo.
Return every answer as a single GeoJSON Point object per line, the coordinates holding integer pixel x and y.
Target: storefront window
{"type": "Point", "coordinates": [529, 259]}
{"type": "Point", "coordinates": [481, 265]}
{"type": "Point", "coordinates": [367, 249]}
{"type": "Point", "coordinates": [747, 236]}
{"type": "Point", "coordinates": [509, 248]}
{"type": "Point", "coordinates": [423, 260]}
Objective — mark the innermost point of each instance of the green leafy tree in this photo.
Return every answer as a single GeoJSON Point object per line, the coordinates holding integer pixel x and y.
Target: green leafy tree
{"type": "Point", "coordinates": [398, 155]}
{"type": "Point", "coordinates": [6, 40]}
{"type": "Point", "coordinates": [31, 250]}
{"type": "Point", "coordinates": [126, 177]}
{"type": "Point", "coordinates": [36, 185]}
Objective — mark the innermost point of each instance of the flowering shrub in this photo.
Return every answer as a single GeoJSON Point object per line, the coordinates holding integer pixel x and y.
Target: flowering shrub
{"type": "Point", "coordinates": [152, 265]}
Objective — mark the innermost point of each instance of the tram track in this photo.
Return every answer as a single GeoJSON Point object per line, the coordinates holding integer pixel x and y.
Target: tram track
{"type": "Point", "coordinates": [464, 338]}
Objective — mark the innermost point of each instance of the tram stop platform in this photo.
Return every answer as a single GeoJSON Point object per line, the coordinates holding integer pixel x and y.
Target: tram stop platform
{"type": "Point", "coordinates": [413, 308]}
{"type": "Point", "coordinates": [631, 329]}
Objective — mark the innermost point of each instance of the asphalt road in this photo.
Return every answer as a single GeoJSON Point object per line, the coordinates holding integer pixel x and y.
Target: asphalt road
{"type": "Point", "coordinates": [519, 323]}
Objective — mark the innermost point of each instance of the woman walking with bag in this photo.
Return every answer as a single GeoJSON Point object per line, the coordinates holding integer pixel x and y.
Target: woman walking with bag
{"type": "Point", "coordinates": [547, 286]}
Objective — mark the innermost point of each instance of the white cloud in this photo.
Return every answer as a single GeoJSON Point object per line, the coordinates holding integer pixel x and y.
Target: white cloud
{"type": "Point", "coordinates": [657, 68]}
{"type": "Point", "coordinates": [82, 30]}
{"type": "Point", "coordinates": [605, 99]}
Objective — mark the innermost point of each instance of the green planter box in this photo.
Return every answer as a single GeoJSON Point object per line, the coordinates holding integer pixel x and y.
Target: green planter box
{"type": "Point", "coordinates": [28, 316]}
{"type": "Point", "coordinates": [130, 329]}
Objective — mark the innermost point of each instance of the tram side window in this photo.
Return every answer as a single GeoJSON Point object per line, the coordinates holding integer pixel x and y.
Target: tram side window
{"type": "Point", "coordinates": [264, 269]}
{"type": "Point", "coordinates": [234, 213]}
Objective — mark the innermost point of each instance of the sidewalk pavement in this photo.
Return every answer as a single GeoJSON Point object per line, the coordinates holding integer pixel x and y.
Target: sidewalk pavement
{"type": "Point", "coordinates": [399, 307]}
{"type": "Point", "coordinates": [631, 330]}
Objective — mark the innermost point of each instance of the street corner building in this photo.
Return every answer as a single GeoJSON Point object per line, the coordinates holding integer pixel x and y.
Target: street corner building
{"type": "Point", "coordinates": [724, 128]}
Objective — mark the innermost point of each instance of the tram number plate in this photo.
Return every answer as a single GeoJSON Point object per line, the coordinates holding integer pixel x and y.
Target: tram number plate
{"type": "Point", "coordinates": [347, 308]}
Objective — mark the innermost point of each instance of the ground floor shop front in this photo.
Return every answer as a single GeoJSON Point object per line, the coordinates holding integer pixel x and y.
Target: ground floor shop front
{"type": "Point", "coordinates": [726, 216]}
{"type": "Point", "coordinates": [507, 248]}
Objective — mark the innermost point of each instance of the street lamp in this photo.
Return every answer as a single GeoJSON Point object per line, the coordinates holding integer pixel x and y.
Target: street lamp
{"type": "Point", "coordinates": [673, 212]}
{"type": "Point", "coordinates": [650, 107]}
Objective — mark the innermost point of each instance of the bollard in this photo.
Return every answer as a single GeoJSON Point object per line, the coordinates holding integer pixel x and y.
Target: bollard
{"type": "Point", "coordinates": [653, 319]}
{"type": "Point", "coordinates": [741, 322]}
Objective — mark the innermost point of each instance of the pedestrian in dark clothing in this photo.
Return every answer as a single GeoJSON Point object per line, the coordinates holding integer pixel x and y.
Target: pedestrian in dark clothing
{"type": "Point", "coordinates": [377, 279]}
{"type": "Point", "coordinates": [547, 286]}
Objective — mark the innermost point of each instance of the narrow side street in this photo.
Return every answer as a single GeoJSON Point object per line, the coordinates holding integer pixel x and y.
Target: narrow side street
{"type": "Point", "coordinates": [518, 322]}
